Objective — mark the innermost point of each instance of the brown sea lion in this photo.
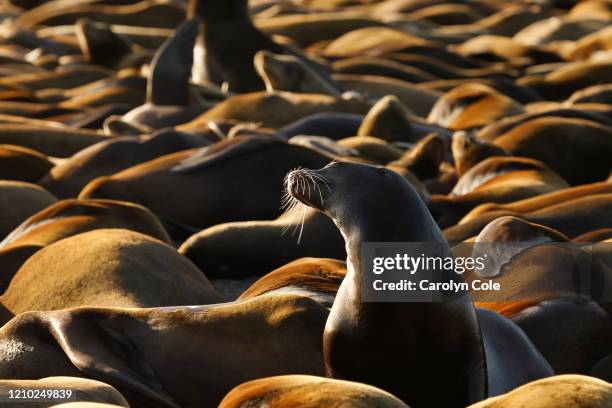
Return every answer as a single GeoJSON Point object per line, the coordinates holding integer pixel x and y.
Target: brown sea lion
{"type": "Point", "coordinates": [70, 217]}
{"type": "Point", "coordinates": [572, 218]}
{"type": "Point", "coordinates": [583, 148]}
{"type": "Point", "coordinates": [554, 29]}
{"type": "Point", "coordinates": [448, 14]}
{"type": "Point", "coordinates": [127, 348]}
{"type": "Point", "coordinates": [469, 151]}
{"type": "Point", "coordinates": [372, 149]}
{"type": "Point", "coordinates": [542, 201]}
{"type": "Point", "coordinates": [80, 389]}
{"type": "Point", "coordinates": [58, 141]}
{"type": "Point", "coordinates": [314, 26]}
{"type": "Point", "coordinates": [105, 158]}
{"type": "Point", "coordinates": [598, 235]}
{"type": "Point", "coordinates": [308, 392]}
{"type": "Point", "coordinates": [389, 120]}
{"type": "Point", "coordinates": [583, 49]}
{"type": "Point", "coordinates": [497, 47]}
{"type": "Point", "coordinates": [18, 201]}
{"type": "Point", "coordinates": [22, 164]}
{"type": "Point", "coordinates": [187, 187]}
{"type": "Point", "coordinates": [592, 94]}
{"type": "Point", "coordinates": [371, 41]}
{"type": "Point", "coordinates": [65, 78]}
{"type": "Point", "coordinates": [497, 179]}
{"type": "Point", "coordinates": [275, 110]}
{"type": "Point", "coordinates": [562, 391]}
{"type": "Point", "coordinates": [381, 67]}
{"type": "Point", "coordinates": [108, 268]}
{"type": "Point", "coordinates": [353, 325]}
{"type": "Point", "coordinates": [472, 105]}
{"type": "Point", "coordinates": [317, 278]}
{"type": "Point", "coordinates": [564, 81]}
{"type": "Point", "coordinates": [155, 13]}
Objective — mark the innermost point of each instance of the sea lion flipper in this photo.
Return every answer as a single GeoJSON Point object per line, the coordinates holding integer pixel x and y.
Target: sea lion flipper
{"type": "Point", "coordinates": [216, 153]}
{"type": "Point", "coordinates": [100, 44]}
{"type": "Point", "coordinates": [98, 345]}
{"type": "Point", "coordinates": [168, 81]}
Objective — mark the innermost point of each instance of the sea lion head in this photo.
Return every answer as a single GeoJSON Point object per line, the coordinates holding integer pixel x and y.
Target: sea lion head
{"type": "Point", "coordinates": [279, 72]}
{"type": "Point", "coordinates": [362, 198]}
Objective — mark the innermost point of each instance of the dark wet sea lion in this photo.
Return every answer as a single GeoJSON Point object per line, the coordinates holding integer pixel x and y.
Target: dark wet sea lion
{"type": "Point", "coordinates": [127, 348]}
{"type": "Point", "coordinates": [225, 24]}
{"type": "Point", "coordinates": [333, 125]}
{"type": "Point", "coordinates": [100, 45]}
{"type": "Point", "coordinates": [108, 268]}
{"type": "Point", "coordinates": [22, 164]}
{"type": "Point", "coordinates": [583, 148]}
{"type": "Point", "coordinates": [264, 245]}
{"type": "Point", "coordinates": [105, 158]}
{"type": "Point", "coordinates": [316, 278]}
{"type": "Point", "coordinates": [18, 201]}
{"type": "Point", "coordinates": [576, 391]}
{"type": "Point", "coordinates": [307, 392]}
{"type": "Point", "coordinates": [187, 187]}
{"type": "Point", "coordinates": [425, 158]}
{"type": "Point", "coordinates": [82, 389]}
{"type": "Point", "coordinates": [353, 327]}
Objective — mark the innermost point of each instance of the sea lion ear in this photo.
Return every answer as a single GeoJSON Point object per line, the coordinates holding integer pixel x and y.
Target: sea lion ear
{"type": "Point", "coordinates": [170, 71]}
{"type": "Point", "coordinates": [99, 44]}
{"type": "Point", "coordinates": [99, 345]}
{"type": "Point", "coordinates": [115, 126]}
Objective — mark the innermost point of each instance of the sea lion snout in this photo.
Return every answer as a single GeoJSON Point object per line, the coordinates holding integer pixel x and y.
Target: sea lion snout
{"type": "Point", "coordinates": [308, 187]}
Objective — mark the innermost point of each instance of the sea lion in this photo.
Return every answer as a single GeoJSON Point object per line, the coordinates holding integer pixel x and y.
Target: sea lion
{"type": "Point", "coordinates": [187, 187]}
{"type": "Point", "coordinates": [107, 268]}
{"type": "Point", "coordinates": [127, 348]}
{"type": "Point", "coordinates": [542, 201]}
{"type": "Point", "coordinates": [226, 23]}
{"type": "Point", "coordinates": [372, 149]}
{"type": "Point", "coordinates": [288, 73]}
{"type": "Point", "coordinates": [70, 217]}
{"type": "Point", "coordinates": [333, 125]}
{"type": "Point", "coordinates": [22, 164]}
{"type": "Point", "coordinates": [603, 369]}
{"type": "Point", "coordinates": [277, 109]}
{"type": "Point", "coordinates": [562, 28]}
{"type": "Point", "coordinates": [105, 158]}
{"type": "Point", "coordinates": [496, 179]}
{"type": "Point", "coordinates": [425, 158]}
{"type": "Point", "coordinates": [592, 94]}
{"type": "Point", "coordinates": [101, 46]}
{"type": "Point", "coordinates": [583, 148]}
{"type": "Point", "coordinates": [18, 201]}
{"type": "Point", "coordinates": [590, 45]}
{"type": "Point", "coordinates": [564, 81]}
{"type": "Point", "coordinates": [469, 151]}
{"type": "Point", "coordinates": [389, 120]}
{"type": "Point", "coordinates": [264, 245]}
{"type": "Point", "coordinates": [353, 326]}
{"type": "Point", "coordinates": [576, 391]}
{"type": "Point", "coordinates": [168, 100]}
{"type": "Point", "coordinates": [58, 141]}
{"type": "Point", "coordinates": [317, 278]}
{"type": "Point", "coordinates": [572, 218]}
{"type": "Point", "coordinates": [308, 392]}
{"type": "Point", "coordinates": [381, 67]}
{"type": "Point", "coordinates": [82, 390]}
{"type": "Point", "coordinates": [598, 235]}
{"type": "Point", "coordinates": [371, 41]}
{"type": "Point", "coordinates": [472, 105]}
